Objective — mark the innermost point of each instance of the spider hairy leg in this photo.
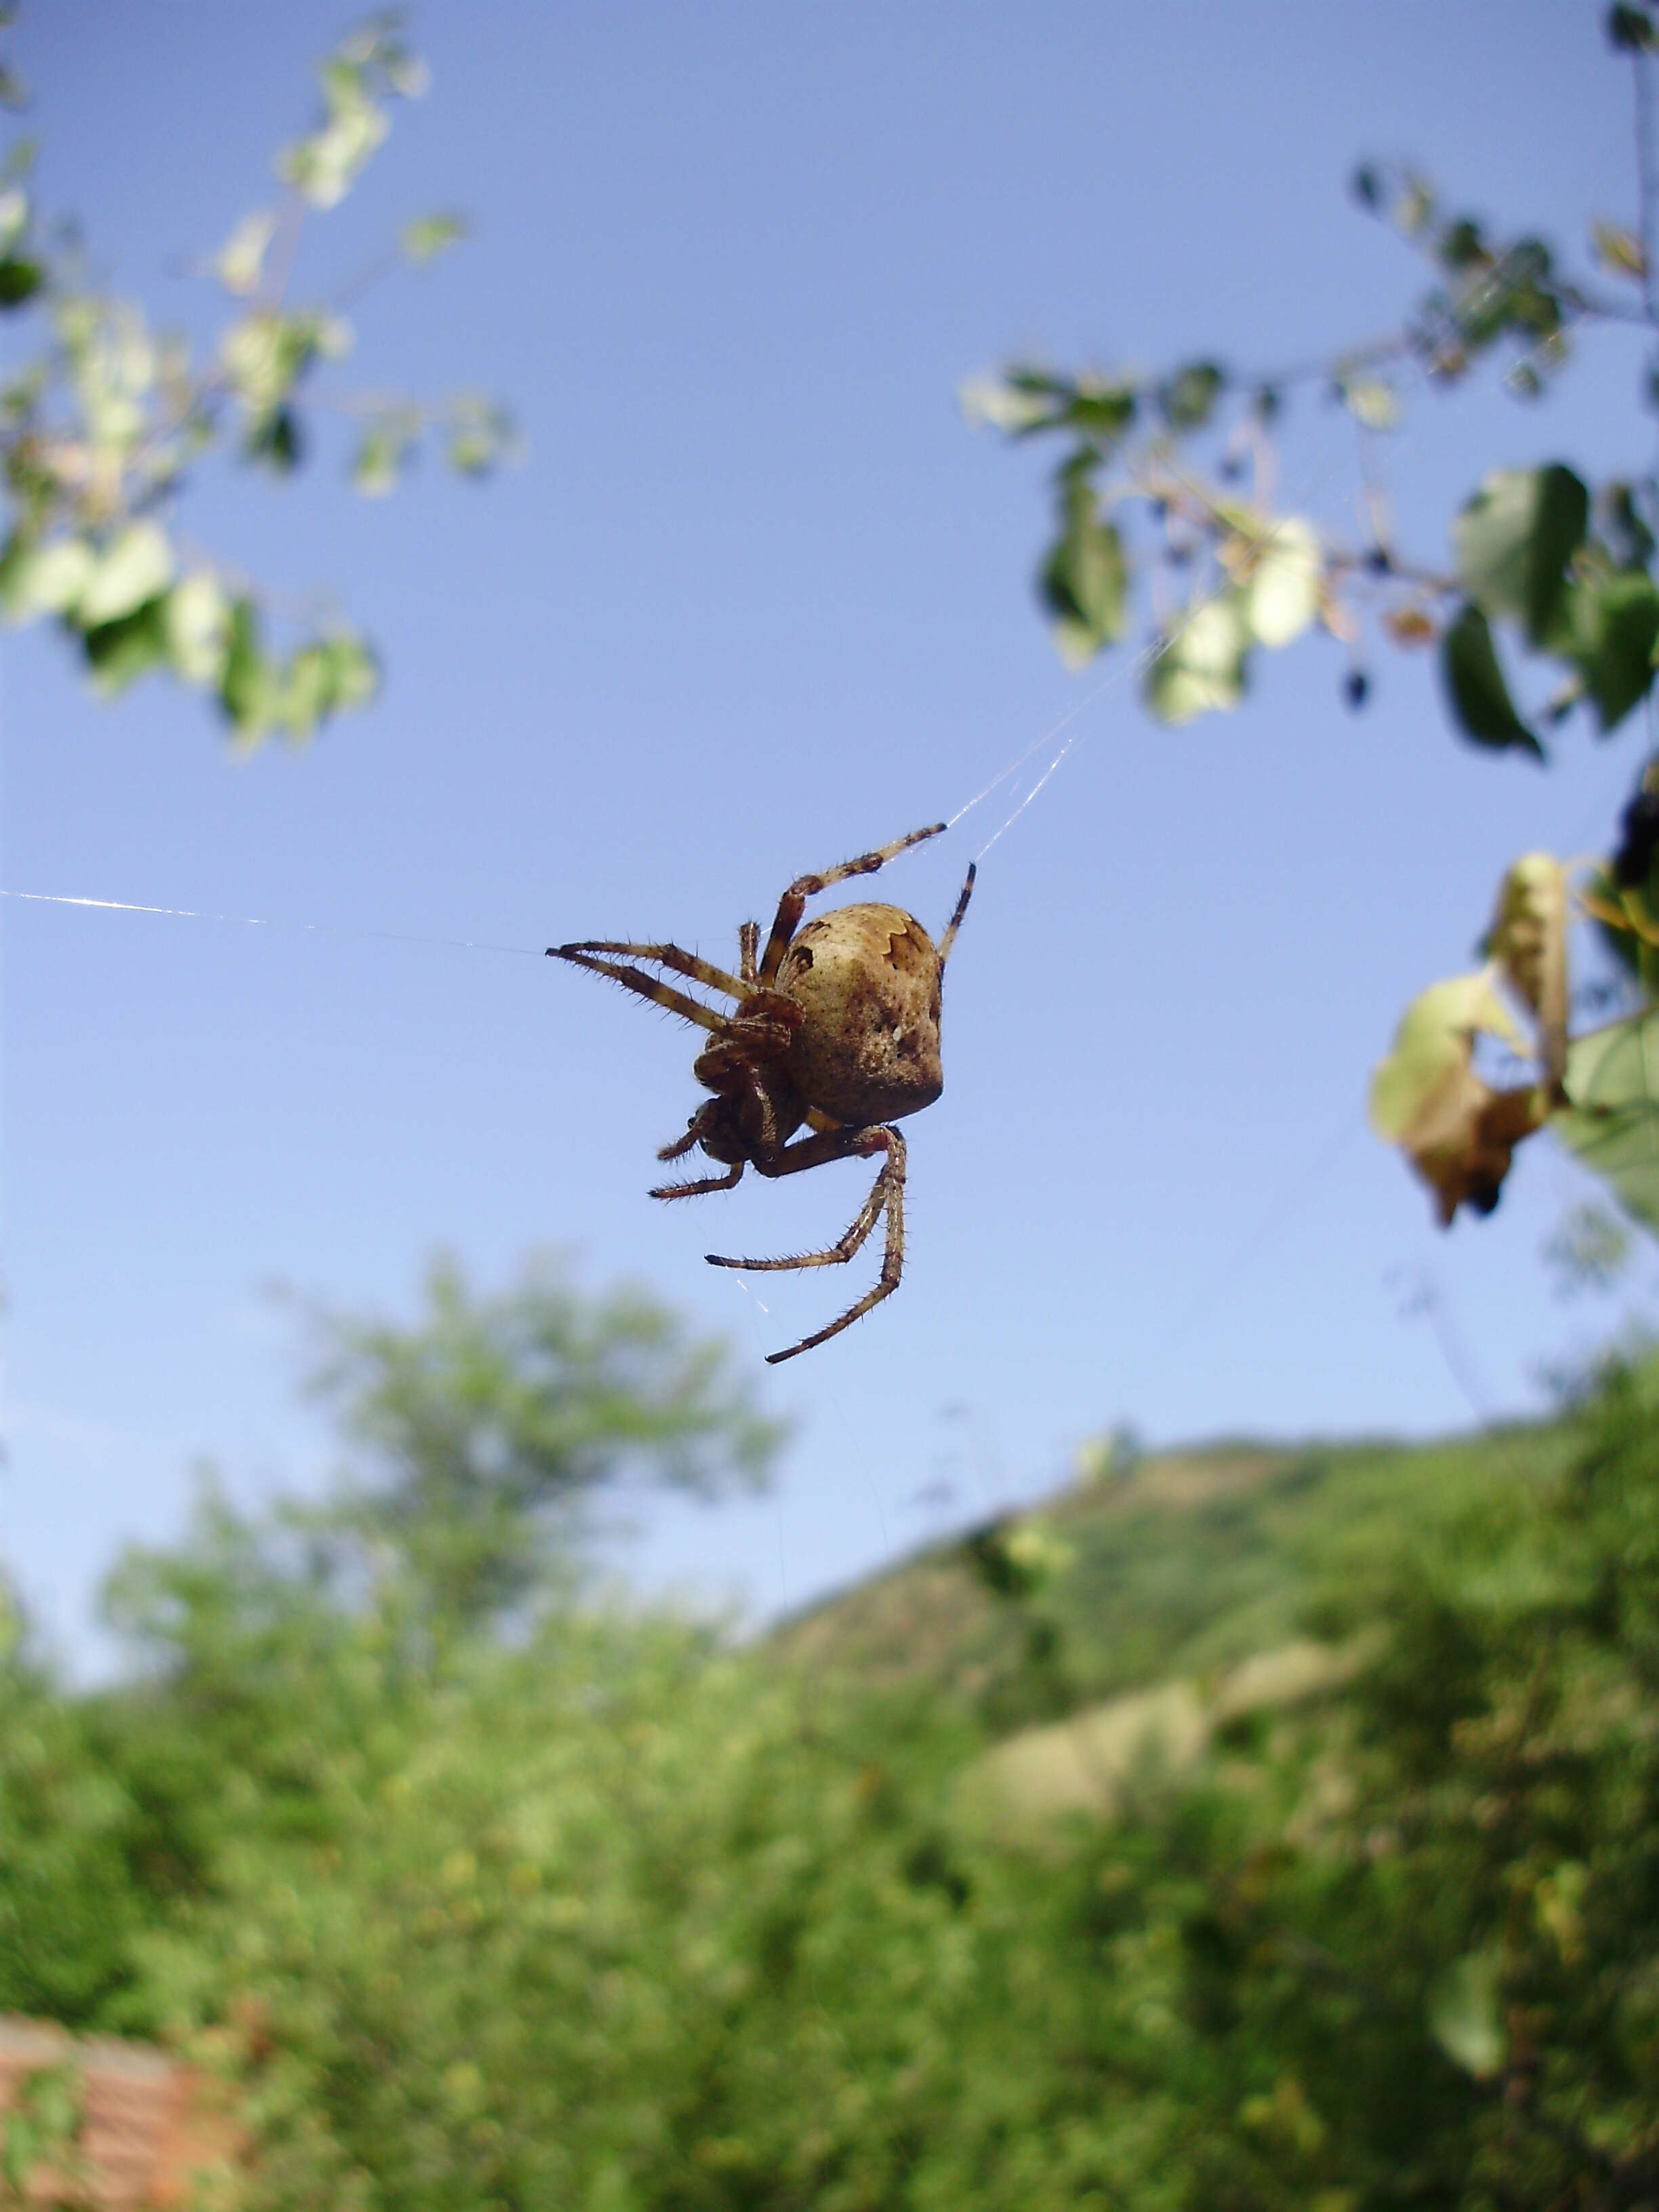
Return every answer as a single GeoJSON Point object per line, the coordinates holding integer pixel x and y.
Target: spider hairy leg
{"type": "Point", "coordinates": [666, 956]}
{"type": "Point", "coordinates": [659, 994]}
{"type": "Point", "coordinates": [888, 1192]}
{"type": "Point", "coordinates": [955, 922]}
{"type": "Point", "coordinates": [748, 951]}
{"type": "Point", "coordinates": [792, 904]}
{"type": "Point", "coordinates": [700, 1187]}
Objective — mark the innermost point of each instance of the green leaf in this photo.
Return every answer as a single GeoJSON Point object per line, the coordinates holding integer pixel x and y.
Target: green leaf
{"type": "Point", "coordinates": [20, 280]}
{"type": "Point", "coordinates": [1201, 667]}
{"type": "Point", "coordinates": [1187, 400]}
{"type": "Point", "coordinates": [1614, 629]}
{"type": "Point", "coordinates": [1612, 1126]}
{"type": "Point", "coordinates": [120, 652]}
{"type": "Point", "coordinates": [1464, 2016]}
{"type": "Point", "coordinates": [1630, 30]}
{"type": "Point", "coordinates": [1282, 597]}
{"type": "Point", "coordinates": [276, 442]}
{"type": "Point", "coordinates": [247, 689]}
{"type": "Point", "coordinates": [1474, 683]}
{"type": "Point", "coordinates": [134, 566]}
{"type": "Point", "coordinates": [1084, 581]}
{"type": "Point", "coordinates": [1514, 541]}
{"type": "Point", "coordinates": [1630, 541]}
{"type": "Point", "coordinates": [425, 239]}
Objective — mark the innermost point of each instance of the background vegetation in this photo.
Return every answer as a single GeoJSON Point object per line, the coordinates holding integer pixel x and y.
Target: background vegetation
{"type": "Point", "coordinates": [1248, 1829]}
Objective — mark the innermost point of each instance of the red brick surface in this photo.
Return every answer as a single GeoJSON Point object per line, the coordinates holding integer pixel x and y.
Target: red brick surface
{"type": "Point", "coordinates": [148, 2124]}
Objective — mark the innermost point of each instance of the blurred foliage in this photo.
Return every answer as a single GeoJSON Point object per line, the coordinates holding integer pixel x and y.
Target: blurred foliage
{"type": "Point", "coordinates": [1166, 486]}
{"type": "Point", "coordinates": [104, 423]}
{"type": "Point", "coordinates": [604, 1910]}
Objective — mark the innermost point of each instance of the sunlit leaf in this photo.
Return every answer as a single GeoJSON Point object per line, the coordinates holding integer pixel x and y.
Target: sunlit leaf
{"type": "Point", "coordinates": [241, 261]}
{"type": "Point", "coordinates": [46, 578]}
{"type": "Point", "coordinates": [1201, 667]}
{"type": "Point", "coordinates": [1285, 574]}
{"type": "Point", "coordinates": [198, 628]}
{"type": "Point", "coordinates": [134, 566]}
{"type": "Point", "coordinates": [1372, 402]}
{"type": "Point", "coordinates": [1474, 682]}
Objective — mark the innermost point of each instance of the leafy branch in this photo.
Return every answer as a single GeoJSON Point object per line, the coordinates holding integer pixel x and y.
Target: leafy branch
{"type": "Point", "coordinates": [103, 428]}
{"type": "Point", "coordinates": [1167, 481]}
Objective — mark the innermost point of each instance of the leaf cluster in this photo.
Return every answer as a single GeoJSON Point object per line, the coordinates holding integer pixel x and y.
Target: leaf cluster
{"type": "Point", "coordinates": [106, 424]}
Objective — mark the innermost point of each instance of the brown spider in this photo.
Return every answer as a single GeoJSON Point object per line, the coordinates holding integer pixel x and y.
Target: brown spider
{"type": "Point", "coordinates": [837, 1027]}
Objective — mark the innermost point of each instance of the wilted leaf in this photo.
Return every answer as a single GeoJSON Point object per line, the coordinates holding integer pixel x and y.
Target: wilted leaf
{"type": "Point", "coordinates": [1474, 682]}
{"type": "Point", "coordinates": [1513, 542]}
{"type": "Point", "coordinates": [1528, 940]}
{"type": "Point", "coordinates": [1201, 667]}
{"type": "Point", "coordinates": [1464, 2016]}
{"type": "Point", "coordinates": [1410, 626]}
{"type": "Point", "coordinates": [430, 235]}
{"type": "Point", "coordinates": [134, 566]}
{"type": "Point", "coordinates": [1618, 250]}
{"type": "Point", "coordinates": [1458, 1132]}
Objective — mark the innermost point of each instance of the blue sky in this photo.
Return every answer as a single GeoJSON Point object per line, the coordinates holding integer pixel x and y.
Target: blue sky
{"type": "Point", "coordinates": [758, 599]}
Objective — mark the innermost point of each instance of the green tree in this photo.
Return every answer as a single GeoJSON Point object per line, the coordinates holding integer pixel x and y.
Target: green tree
{"type": "Point", "coordinates": [106, 424]}
{"type": "Point", "coordinates": [1166, 483]}
{"type": "Point", "coordinates": [481, 1436]}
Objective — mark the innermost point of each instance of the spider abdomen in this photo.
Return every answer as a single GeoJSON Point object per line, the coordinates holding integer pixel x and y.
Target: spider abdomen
{"type": "Point", "coordinates": [867, 980]}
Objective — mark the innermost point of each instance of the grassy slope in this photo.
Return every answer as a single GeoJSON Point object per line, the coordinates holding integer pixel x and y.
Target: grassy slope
{"type": "Point", "coordinates": [1180, 1570]}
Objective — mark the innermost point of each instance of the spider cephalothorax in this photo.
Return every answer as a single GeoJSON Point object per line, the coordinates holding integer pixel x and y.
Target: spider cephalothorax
{"type": "Point", "coordinates": [835, 1030]}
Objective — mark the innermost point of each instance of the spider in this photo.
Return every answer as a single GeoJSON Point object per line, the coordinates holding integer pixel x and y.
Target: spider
{"type": "Point", "coordinates": [835, 1028]}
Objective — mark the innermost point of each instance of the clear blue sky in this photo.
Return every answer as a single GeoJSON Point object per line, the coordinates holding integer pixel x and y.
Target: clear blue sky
{"type": "Point", "coordinates": [757, 600]}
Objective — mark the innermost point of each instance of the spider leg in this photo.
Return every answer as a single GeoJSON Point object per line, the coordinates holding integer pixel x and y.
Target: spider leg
{"type": "Point", "coordinates": [668, 956]}
{"type": "Point", "coordinates": [887, 1192]}
{"type": "Point", "coordinates": [661, 994]}
{"type": "Point", "coordinates": [955, 922]}
{"type": "Point", "coordinates": [748, 947]}
{"type": "Point", "coordinates": [704, 1184]}
{"type": "Point", "coordinates": [792, 904]}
